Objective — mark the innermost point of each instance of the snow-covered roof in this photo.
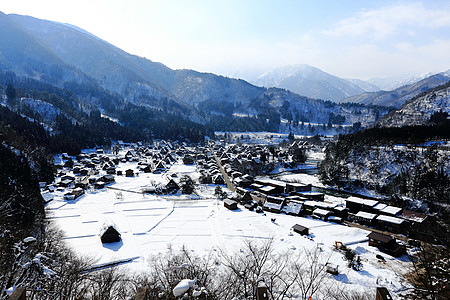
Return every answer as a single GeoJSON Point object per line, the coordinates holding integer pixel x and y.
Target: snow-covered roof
{"type": "Point", "coordinates": [321, 212]}
{"type": "Point", "coordinates": [361, 201]}
{"type": "Point", "coordinates": [380, 206]}
{"type": "Point", "coordinates": [319, 204]}
{"type": "Point", "coordinates": [390, 219]}
{"type": "Point", "coordinates": [365, 215]}
{"type": "Point", "coordinates": [293, 208]}
{"type": "Point", "coordinates": [391, 210]}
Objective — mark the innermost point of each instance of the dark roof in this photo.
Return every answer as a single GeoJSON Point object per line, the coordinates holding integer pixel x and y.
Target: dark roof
{"type": "Point", "coordinates": [299, 227]}
{"type": "Point", "coordinates": [380, 237]}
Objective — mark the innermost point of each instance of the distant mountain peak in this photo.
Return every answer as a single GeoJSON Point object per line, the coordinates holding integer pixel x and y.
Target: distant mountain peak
{"type": "Point", "coordinates": [309, 81]}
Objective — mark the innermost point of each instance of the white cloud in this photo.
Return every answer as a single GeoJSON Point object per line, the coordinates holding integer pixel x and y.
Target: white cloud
{"type": "Point", "coordinates": [386, 21]}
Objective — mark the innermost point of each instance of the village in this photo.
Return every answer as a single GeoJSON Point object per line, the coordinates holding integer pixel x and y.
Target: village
{"type": "Point", "coordinates": [123, 203]}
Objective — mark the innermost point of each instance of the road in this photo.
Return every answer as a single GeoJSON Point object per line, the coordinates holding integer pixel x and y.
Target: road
{"type": "Point", "coordinates": [230, 185]}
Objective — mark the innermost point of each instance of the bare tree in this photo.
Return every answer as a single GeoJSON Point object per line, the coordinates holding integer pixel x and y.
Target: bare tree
{"type": "Point", "coordinates": [309, 271]}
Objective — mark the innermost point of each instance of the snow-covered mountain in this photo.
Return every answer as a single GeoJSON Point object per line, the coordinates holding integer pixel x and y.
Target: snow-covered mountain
{"type": "Point", "coordinates": [397, 97]}
{"type": "Point", "coordinates": [419, 109]}
{"type": "Point", "coordinates": [309, 81]}
{"type": "Point", "coordinates": [392, 83]}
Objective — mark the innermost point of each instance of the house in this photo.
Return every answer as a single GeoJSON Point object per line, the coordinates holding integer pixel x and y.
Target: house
{"type": "Point", "coordinates": [273, 204]}
{"type": "Point", "coordinates": [279, 186]}
{"type": "Point", "coordinates": [107, 178]}
{"type": "Point", "coordinates": [355, 204]}
{"type": "Point", "coordinates": [365, 218]}
{"type": "Point", "coordinates": [391, 224]}
{"type": "Point", "coordinates": [292, 188]}
{"type": "Point", "coordinates": [268, 190]}
{"type": "Point", "coordinates": [315, 196]}
{"type": "Point", "coordinates": [293, 208]}
{"type": "Point", "coordinates": [321, 214]}
{"type": "Point", "coordinates": [386, 244]}
{"type": "Point", "coordinates": [418, 225]}
{"type": "Point", "coordinates": [129, 173]}
{"type": "Point", "coordinates": [218, 179]}
{"type": "Point", "coordinates": [109, 234]}
{"type": "Point", "coordinates": [73, 194]}
{"type": "Point", "coordinates": [300, 229]}
{"type": "Point", "coordinates": [188, 160]}
{"type": "Point", "coordinates": [172, 185]}
{"type": "Point", "coordinates": [387, 209]}
{"type": "Point", "coordinates": [230, 204]}
{"type": "Point", "coordinates": [99, 184]}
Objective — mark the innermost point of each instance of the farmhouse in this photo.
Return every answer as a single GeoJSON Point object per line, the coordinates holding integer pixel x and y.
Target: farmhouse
{"type": "Point", "coordinates": [365, 218]}
{"type": "Point", "coordinates": [273, 204]}
{"type": "Point", "coordinates": [315, 196]}
{"type": "Point", "coordinates": [355, 204]}
{"type": "Point", "coordinates": [73, 194]}
{"type": "Point", "coordinates": [321, 214]}
{"type": "Point", "coordinates": [109, 234]}
{"type": "Point", "coordinates": [292, 188]}
{"type": "Point", "coordinates": [386, 244]}
{"type": "Point", "coordinates": [391, 224]}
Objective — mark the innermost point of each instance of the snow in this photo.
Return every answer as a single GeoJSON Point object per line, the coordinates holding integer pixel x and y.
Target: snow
{"type": "Point", "coordinates": [365, 215]}
{"type": "Point", "coordinates": [389, 219]}
{"type": "Point", "coordinates": [151, 224]}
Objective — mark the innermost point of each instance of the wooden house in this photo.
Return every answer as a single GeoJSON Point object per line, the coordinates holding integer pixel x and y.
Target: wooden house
{"type": "Point", "coordinates": [292, 188]}
{"type": "Point", "coordinates": [109, 234]}
{"type": "Point", "coordinates": [218, 179]}
{"type": "Point", "coordinates": [230, 204]}
{"type": "Point", "coordinates": [300, 229]}
{"type": "Point", "coordinates": [273, 204]}
{"type": "Point", "coordinates": [315, 196]}
{"type": "Point", "coordinates": [384, 209]}
{"type": "Point", "coordinates": [294, 208]}
{"type": "Point", "coordinates": [321, 214]}
{"type": "Point", "coordinates": [355, 204]}
{"type": "Point", "coordinates": [386, 244]}
{"type": "Point", "coordinates": [73, 194]}
{"type": "Point", "coordinates": [172, 185]}
{"type": "Point", "coordinates": [391, 224]}
{"type": "Point", "coordinates": [365, 218]}
{"type": "Point", "coordinates": [129, 173]}
{"type": "Point", "coordinates": [279, 186]}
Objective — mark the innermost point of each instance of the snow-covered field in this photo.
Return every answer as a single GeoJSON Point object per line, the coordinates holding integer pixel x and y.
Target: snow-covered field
{"type": "Point", "coordinates": [151, 224]}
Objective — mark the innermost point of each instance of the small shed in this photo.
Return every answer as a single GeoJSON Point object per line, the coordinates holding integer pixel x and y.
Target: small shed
{"type": "Point", "coordinates": [300, 229]}
{"type": "Point", "coordinates": [129, 173]}
{"type": "Point", "coordinates": [230, 204]}
{"type": "Point", "coordinates": [332, 268]}
{"type": "Point", "coordinates": [109, 233]}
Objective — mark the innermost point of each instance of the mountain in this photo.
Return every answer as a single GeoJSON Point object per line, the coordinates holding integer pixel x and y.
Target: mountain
{"type": "Point", "coordinates": [397, 97]}
{"type": "Point", "coordinates": [365, 85]}
{"type": "Point", "coordinates": [107, 79]}
{"type": "Point", "coordinates": [420, 109]}
{"type": "Point", "coordinates": [392, 83]}
{"type": "Point", "coordinates": [310, 82]}
{"type": "Point", "coordinates": [23, 53]}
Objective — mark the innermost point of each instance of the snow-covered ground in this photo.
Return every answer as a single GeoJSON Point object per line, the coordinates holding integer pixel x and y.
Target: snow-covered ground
{"type": "Point", "coordinates": [151, 224]}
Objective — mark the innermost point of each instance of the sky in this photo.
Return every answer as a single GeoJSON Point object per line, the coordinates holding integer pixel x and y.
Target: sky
{"type": "Point", "coordinates": [243, 38]}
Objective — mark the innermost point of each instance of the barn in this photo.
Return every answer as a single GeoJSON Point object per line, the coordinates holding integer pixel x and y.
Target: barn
{"type": "Point", "coordinates": [109, 233]}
